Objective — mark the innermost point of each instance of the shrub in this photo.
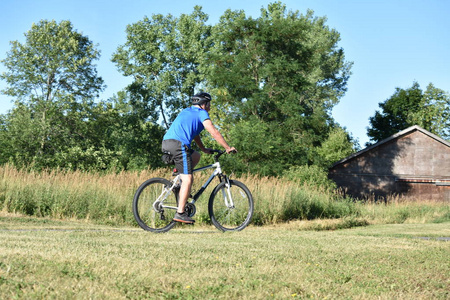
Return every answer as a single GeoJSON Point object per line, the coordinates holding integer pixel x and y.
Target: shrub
{"type": "Point", "coordinates": [310, 175]}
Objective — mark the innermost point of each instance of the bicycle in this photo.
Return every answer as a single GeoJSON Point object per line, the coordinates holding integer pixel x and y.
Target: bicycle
{"type": "Point", "coordinates": [230, 206]}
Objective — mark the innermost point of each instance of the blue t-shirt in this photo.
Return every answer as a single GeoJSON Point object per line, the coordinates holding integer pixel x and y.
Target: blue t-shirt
{"type": "Point", "coordinates": [187, 125]}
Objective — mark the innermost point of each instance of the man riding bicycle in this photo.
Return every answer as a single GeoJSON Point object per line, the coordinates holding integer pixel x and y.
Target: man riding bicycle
{"type": "Point", "coordinates": [177, 143]}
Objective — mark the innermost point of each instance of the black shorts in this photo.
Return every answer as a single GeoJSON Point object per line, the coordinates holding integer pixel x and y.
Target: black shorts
{"type": "Point", "coordinates": [181, 155]}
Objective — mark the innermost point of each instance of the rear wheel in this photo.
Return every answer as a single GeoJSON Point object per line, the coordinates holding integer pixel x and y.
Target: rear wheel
{"type": "Point", "coordinates": [227, 216]}
{"type": "Point", "coordinates": [154, 206]}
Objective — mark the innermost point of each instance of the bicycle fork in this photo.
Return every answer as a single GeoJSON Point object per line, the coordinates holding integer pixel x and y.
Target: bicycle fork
{"type": "Point", "coordinates": [226, 193]}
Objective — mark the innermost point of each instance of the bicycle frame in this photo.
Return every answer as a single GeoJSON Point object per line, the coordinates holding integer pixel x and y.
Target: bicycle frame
{"type": "Point", "coordinates": [217, 172]}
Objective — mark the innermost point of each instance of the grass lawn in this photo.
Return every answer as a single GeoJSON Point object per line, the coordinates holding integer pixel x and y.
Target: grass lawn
{"type": "Point", "coordinates": [52, 259]}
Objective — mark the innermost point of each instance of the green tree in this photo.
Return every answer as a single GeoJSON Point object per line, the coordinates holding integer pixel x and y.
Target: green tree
{"type": "Point", "coordinates": [434, 114]}
{"type": "Point", "coordinates": [18, 136]}
{"type": "Point", "coordinates": [53, 81]}
{"type": "Point", "coordinates": [136, 140]}
{"type": "Point", "coordinates": [337, 146]}
{"type": "Point", "coordinates": [281, 73]}
{"type": "Point", "coordinates": [275, 79]}
{"type": "Point", "coordinates": [412, 106]}
{"type": "Point", "coordinates": [163, 54]}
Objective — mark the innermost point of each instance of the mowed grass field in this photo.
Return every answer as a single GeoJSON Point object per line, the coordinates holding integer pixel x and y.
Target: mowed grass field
{"type": "Point", "coordinates": [54, 259]}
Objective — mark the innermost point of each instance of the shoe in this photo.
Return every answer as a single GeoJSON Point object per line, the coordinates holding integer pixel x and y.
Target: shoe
{"type": "Point", "coordinates": [183, 218]}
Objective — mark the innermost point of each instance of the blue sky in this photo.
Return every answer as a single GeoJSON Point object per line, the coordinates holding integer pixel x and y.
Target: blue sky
{"type": "Point", "coordinates": [392, 43]}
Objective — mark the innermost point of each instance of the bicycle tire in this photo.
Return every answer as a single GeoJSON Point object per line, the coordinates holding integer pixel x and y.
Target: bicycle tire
{"type": "Point", "coordinates": [231, 219]}
{"type": "Point", "coordinates": [149, 214]}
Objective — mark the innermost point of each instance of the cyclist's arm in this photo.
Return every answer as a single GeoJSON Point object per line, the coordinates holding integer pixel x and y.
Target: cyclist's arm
{"type": "Point", "coordinates": [217, 135]}
{"type": "Point", "coordinates": [199, 143]}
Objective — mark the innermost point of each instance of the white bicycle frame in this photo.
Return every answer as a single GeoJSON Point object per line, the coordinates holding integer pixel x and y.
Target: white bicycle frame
{"type": "Point", "coordinates": [218, 171]}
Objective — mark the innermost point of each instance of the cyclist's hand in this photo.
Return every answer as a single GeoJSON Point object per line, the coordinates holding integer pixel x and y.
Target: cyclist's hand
{"type": "Point", "coordinates": [231, 150]}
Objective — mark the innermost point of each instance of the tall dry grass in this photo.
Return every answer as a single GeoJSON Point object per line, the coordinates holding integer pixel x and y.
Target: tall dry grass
{"type": "Point", "coordinates": [61, 194]}
{"type": "Point", "coordinates": [107, 197]}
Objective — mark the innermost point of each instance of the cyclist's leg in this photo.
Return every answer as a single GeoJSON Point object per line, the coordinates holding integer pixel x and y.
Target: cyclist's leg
{"type": "Point", "coordinates": [184, 164]}
{"type": "Point", "coordinates": [186, 181]}
{"type": "Point", "coordinates": [185, 191]}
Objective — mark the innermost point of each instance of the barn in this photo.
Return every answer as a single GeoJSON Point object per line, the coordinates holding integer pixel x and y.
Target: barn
{"type": "Point", "coordinates": [412, 164]}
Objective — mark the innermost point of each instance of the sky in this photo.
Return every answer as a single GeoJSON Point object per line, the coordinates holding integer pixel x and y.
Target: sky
{"type": "Point", "coordinates": [392, 43]}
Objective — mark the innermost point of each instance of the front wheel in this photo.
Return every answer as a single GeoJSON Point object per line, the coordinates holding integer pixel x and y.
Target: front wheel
{"type": "Point", "coordinates": [230, 206]}
{"type": "Point", "coordinates": [154, 205]}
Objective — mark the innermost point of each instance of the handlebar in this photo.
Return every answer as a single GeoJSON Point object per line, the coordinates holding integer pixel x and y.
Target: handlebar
{"type": "Point", "coordinates": [219, 153]}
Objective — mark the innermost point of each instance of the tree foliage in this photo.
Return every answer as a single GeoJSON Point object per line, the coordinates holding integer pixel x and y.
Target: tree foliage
{"type": "Point", "coordinates": [337, 146]}
{"type": "Point", "coordinates": [55, 63]}
{"type": "Point", "coordinates": [136, 140]}
{"type": "Point", "coordinates": [163, 54]}
{"type": "Point", "coordinates": [53, 80]}
{"type": "Point", "coordinates": [274, 79]}
{"type": "Point", "coordinates": [412, 106]}
{"type": "Point", "coordinates": [279, 74]}
{"type": "Point", "coordinates": [434, 114]}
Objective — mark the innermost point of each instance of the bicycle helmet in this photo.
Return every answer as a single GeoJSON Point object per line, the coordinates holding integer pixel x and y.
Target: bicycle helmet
{"type": "Point", "coordinates": [200, 98]}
